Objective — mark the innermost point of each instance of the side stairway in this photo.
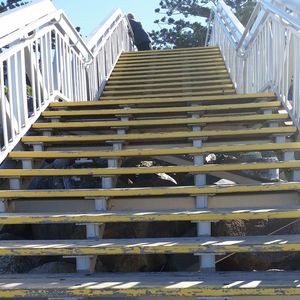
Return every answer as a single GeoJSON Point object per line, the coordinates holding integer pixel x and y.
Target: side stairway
{"type": "Point", "coordinates": [175, 107]}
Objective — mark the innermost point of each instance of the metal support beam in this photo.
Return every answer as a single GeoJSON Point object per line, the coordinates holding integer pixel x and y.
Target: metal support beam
{"type": "Point", "coordinates": [207, 262]}
{"type": "Point", "coordinates": [15, 183]}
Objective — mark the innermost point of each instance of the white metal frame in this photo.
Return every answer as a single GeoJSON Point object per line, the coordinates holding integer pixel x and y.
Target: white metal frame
{"type": "Point", "coordinates": [264, 55]}
{"type": "Point", "coordinates": [43, 58]}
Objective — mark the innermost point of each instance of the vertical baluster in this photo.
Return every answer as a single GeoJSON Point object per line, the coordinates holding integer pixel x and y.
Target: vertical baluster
{"type": "Point", "coordinates": [3, 108]}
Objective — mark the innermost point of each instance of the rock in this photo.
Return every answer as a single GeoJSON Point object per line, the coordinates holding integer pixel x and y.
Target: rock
{"type": "Point", "coordinates": [16, 264]}
{"type": "Point", "coordinates": [54, 267]}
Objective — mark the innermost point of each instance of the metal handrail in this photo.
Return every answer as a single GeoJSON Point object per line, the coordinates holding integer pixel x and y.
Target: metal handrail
{"type": "Point", "coordinates": [265, 56]}
{"type": "Point", "coordinates": [44, 58]}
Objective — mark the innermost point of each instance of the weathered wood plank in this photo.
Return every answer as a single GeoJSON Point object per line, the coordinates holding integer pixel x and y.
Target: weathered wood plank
{"type": "Point", "coordinates": [162, 122]}
{"type": "Point", "coordinates": [276, 243]}
{"type": "Point", "coordinates": [165, 76]}
{"type": "Point", "coordinates": [215, 85]}
{"type": "Point", "coordinates": [158, 110]}
{"type": "Point", "coordinates": [167, 85]}
{"type": "Point", "coordinates": [156, 151]}
{"type": "Point", "coordinates": [151, 284]}
{"type": "Point", "coordinates": [151, 216]}
{"type": "Point", "coordinates": [197, 76]}
{"type": "Point", "coordinates": [217, 91]}
{"type": "Point", "coordinates": [170, 61]}
{"type": "Point", "coordinates": [236, 98]}
{"type": "Point", "coordinates": [170, 55]}
{"type": "Point", "coordinates": [288, 130]}
{"type": "Point", "coordinates": [156, 191]}
{"type": "Point", "coordinates": [210, 168]}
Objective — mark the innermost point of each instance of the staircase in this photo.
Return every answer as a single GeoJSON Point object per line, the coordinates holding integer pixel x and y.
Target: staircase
{"type": "Point", "coordinates": [175, 107]}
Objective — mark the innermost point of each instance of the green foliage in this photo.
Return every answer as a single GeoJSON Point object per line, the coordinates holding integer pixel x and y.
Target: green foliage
{"type": "Point", "coordinates": [11, 4]}
{"type": "Point", "coordinates": [183, 22]}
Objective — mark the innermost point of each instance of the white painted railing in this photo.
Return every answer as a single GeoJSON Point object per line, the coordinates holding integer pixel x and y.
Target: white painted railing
{"type": "Point", "coordinates": [263, 56]}
{"type": "Point", "coordinates": [43, 58]}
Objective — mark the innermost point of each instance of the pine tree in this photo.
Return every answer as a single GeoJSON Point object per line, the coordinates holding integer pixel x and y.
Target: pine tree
{"type": "Point", "coordinates": [10, 4]}
{"type": "Point", "coordinates": [183, 23]}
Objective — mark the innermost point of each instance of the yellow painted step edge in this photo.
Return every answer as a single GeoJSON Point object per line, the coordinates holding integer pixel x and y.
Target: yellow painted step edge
{"type": "Point", "coordinates": [170, 57]}
{"type": "Point", "coordinates": [192, 72]}
{"type": "Point", "coordinates": [155, 151]}
{"type": "Point", "coordinates": [139, 192]}
{"type": "Point", "coordinates": [178, 71]}
{"type": "Point", "coordinates": [219, 90]}
{"type": "Point", "coordinates": [169, 61]}
{"type": "Point", "coordinates": [138, 246]}
{"type": "Point", "coordinates": [164, 51]}
{"type": "Point", "coordinates": [251, 97]}
{"type": "Point", "coordinates": [151, 170]}
{"type": "Point", "coordinates": [162, 122]}
{"type": "Point", "coordinates": [160, 136]}
{"type": "Point", "coordinates": [150, 216]}
{"type": "Point", "coordinates": [155, 284]}
{"type": "Point", "coordinates": [133, 111]}
{"type": "Point", "coordinates": [159, 68]}
{"type": "Point", "coordinates": [142, 87]}
{"type": "Point", "coordinates": [168, 79]}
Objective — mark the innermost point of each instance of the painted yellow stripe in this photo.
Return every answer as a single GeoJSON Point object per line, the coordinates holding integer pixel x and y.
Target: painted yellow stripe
{"type": "Point", "coordinates": [226, 98]}
{"type": "Point", "coordinates": [169, 51]}
{"type": "Point", "coordinates": [177, 71]}
{"type": "Point", "coordinates": [287, 130]}
{"type": "Point", "coordinates": [138, 246]}
{"type": "Point", "coordinates": [219, 90]}
{"type": "Point", "coordinates": [161, 68]}
{"type": "Point", "coordinates": [170, 57]}
{"type": "Point", "coordinates": [164, 54]}
{"type": "Point", "coordinates": [150, 170]}
{"type": "Point", "coordinates": [151, 216]}
{"type": "Point", "coordinates": [193, 284]}
{"type": "Point", "coordinates": [170, 61]}
{"type": "Point", "coordinates": [155, 152]}
{"type": "Point", "coordinates": [161, 191]}
{"type": "Point", "coordinates": [162, 122]}
{"type": "Point", "coordinates": [190, 84]}
{"type": "Point", "coordinates": [203, 71]}
{"type": "Point", "coordinates": [179, 79]}
{"type": "Point", "coordinates": [170, 110]}
{"type": "Point", "coordinates": [207, 87]}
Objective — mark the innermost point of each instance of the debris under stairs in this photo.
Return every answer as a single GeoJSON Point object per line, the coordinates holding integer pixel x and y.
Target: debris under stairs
{"type": "Point", "coordinates": [175, 106]}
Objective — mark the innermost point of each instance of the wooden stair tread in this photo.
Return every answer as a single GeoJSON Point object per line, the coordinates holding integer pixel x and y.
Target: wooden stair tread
{"type": "Point", "coordinates": [183, 78]}
{"type": "Point", "coordinates": [156, 152]}
{"type": "Point", "coordinates": [169, 51]}
{"type": "Point", "coordinates": [234, 98]}
{"type": "Point", "coordinates": [179, 58]}
{"type": "Point", "coordinates": [216, 66]}
{"type": "Point", "coordinates": [151, 170]}
{"type": "Point", "coordinates": [170, 66]}
{"type": "Point", "coordinates": [161, 122]}
{"type": "Point", "coordinates": [155, 284]}
{"type": "Point", "coordinates": [191, 72]}
{"type": "Point", "coordinates": [288, 130]}
{"type": "Point", "coordinates": [216, 92]}
{"type": "Point", "coordinates": [151, 216]}
{"type": "Point", "coordinates": [158, 110]}
{"type": "Point", "coordinates": [170, 55]}
{"type": "Point", "coordinates": [170, 61]}
{"type": "Point", "coordinates": [152, 191]}
{"type": "Point", "coordinates": [154, 86]}
{"type": "Point", "coordinates": [229, 84]}
{"type": "Point", "coordinates": [218, 245]}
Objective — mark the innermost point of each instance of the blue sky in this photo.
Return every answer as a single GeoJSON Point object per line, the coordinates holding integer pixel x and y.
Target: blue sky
{"type": "Point", "coordinates": [89, 14]}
